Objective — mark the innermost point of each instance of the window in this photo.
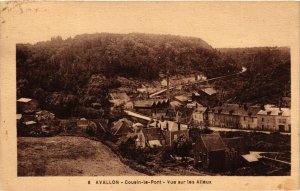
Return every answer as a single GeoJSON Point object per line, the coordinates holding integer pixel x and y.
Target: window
{"type": "Point", "coordinates": [175, 137]}
{"type": "Point", "coordinates": [262, 119]}
{"type": "Point", "coordinates": [244, 118]}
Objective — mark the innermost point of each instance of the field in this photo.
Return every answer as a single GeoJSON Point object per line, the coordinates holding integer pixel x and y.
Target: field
{"type": "Point", "coordinates": [68, 156]}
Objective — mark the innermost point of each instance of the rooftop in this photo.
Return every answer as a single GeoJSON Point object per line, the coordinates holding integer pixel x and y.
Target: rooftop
{"type": "Point", "coordinates": [209, 91]}
{"type": "Point", "coordinates": [275, 111]}
{"type": "Point", "coordinates": [29, 122]}
{"type": "Point", "coordinates": [182, 98]}
{"type": "Point", "coordinates": [24, 100]}
{"type": "Point", "coordinates": [213, 142]}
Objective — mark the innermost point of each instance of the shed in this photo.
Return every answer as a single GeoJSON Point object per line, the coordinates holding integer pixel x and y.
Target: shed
{"type": "Point", "coordinates": [209, 150]}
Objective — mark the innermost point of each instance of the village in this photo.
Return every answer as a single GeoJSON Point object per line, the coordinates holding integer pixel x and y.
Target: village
{"type": "Point", "coordinates": [179, 123]}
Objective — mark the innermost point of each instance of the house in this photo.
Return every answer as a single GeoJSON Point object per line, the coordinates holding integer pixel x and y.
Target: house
{"type": "Point", "coordinates": [234, 116]}
{"type": "Point", "coordinates": [30, 125]}
{"type": "Point", "coordinates": [121, 127]}
{"type": "Point", "coordinates": [200, 116]}
{"type": "Point", "coordinates": [150, 137]}
{"type": "Point", "coordinates": [207, 96]}
{"type": "Point", "coordinates": [137, 127]}
{"type": "Point", "coordinates": [164, 114]}
{"type": "Point", "coordinates": [183, 99]}
{"type": "Point", "coordinates": [27, 105]}
{"type": "Point", "coordinates": [274, 119]}
{"type": "Point", "coordinates": [248, 118]}
{"type": "Point", "coordinates": [169, 125]}
{"type": "Point", "coordinates": [208, 92]}
{"type": "Point", "coordinates": [227, 115]}
{"type": "Point", "coordinates": [175, 135]}
{"type": "Point", "coordinates": [209, 151]}
{"type": "Point", "coordinates": [150, 106]}
{"type": "Point", "coordinates": [193, 105]}
{"type": "Point", "coordinates": [184, 115]}
{"type": "Point", "coordinates": [118, 98]}
{"type": "Point", "coordinates": [82, 124]}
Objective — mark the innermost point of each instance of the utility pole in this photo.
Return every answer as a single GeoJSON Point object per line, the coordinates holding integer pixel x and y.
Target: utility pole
{"type": "Point", "coordinates": [168, 84]}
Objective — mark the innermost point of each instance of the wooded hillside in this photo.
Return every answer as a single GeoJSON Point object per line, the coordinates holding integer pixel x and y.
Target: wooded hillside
{"type": "Point", "coordinates": [58, 72]}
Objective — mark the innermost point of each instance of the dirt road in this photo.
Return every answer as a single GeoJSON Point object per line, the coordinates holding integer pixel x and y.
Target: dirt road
{"type": "Point", "coordinates": [68, 156]}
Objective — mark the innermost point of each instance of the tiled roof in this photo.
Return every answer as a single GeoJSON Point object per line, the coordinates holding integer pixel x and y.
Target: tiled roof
{"type": "Point", "coordinates": [275, 111]}
{"type": "Point", "coordinates": [234, 109]}
{"type": "Point", "coordinates": [213, 142]}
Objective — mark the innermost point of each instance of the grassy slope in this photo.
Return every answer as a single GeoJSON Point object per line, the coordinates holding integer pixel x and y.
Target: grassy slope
{"type": "Point", "coordinates": [68, 156]}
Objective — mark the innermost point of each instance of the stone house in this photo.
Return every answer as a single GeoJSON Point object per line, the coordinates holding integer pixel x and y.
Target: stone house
{"type": "Point", "coordinates": [274, 119]}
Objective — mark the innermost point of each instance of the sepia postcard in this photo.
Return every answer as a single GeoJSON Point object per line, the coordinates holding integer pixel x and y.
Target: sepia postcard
{"type": "Point", "coordinates": [149, 95]}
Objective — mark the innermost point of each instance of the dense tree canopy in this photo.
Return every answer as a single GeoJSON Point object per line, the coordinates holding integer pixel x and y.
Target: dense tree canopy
{"type": "Point", "coordinates": [267, 80]}
{"type": "Point", "coordinates": [58, 72]}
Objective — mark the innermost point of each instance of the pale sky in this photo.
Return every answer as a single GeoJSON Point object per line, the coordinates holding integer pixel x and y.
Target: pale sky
{"type": "Point", "coordinates": [220, 24]}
